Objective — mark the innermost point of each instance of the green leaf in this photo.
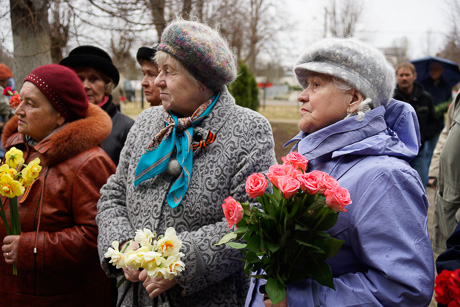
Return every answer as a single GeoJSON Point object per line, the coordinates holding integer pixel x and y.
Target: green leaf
{"type": "Point", "coordinates": [322, 273]}
{"type": "Point", "coordinates": [272, 247]}
{"type": "Point", "coordinates": [315, 248]}
{"type": "Point", "coordinates": [236, 245]}
{"type": "Point", "coordinates": [301, 227]}
{"type": "Point", "coordinates": [323, 234]}
{"type": "Point", "coordinates": [275, 290]}
{"type": "Point", "coordinates": [334, 246]}
{"type": "Point", "coordinates": [228, 237]}
{"type": "Point", "coordinates": [251, 257]}
{"type": "Point", "coordinates": [253, 243]}
{"type": "Point", "coordinates": [329, 220]}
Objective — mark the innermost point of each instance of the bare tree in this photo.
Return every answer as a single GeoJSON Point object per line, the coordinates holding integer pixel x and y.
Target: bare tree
{"type": "Point", "coordinates": [342, 17]}
{"type": "Point", "coordinates": [30, 28]}
{"type": "Point", "coordinates": [451, 48]}
{"type": "Point", "coordinates": [60, 25]}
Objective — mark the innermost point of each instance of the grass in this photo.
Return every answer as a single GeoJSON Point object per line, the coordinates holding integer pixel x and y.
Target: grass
{"type": "Point", "coordinates": [283, 119]}
{"type": "Point", "coordinates": [280, 112]}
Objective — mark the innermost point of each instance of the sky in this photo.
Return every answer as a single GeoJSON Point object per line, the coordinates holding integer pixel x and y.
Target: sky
{"type": "Point", "coordinates": [425, 23]}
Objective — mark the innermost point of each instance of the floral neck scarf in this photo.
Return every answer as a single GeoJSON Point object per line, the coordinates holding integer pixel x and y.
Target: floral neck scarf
{"type": "Point", "coordinates": [178, 133]}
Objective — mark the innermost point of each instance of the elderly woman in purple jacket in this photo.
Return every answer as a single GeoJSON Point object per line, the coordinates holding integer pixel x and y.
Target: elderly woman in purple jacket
{"type": "Point", "coordinates": [353, 130]}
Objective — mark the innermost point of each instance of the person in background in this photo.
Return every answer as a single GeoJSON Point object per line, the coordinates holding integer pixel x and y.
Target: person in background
{"type": "Point", "coordinates": [56, 253]}
{"type": "Point", "coordinates": [145, 57]}
{"type": "Point", "coordinates": [353, 130]}
{"type": "Point", "coordinates": [6, 112]}
{"type": "Point", "coordinates": [99, 77]}
{"type": "Point", "coordinates": [447, 196]}
{"type": "Point", "coordinates": [434, 165]}
{"type": "Point", "coordinates": [410, 91]}
{"type": "Point", "coordinates": [185, 158]}
{"type": "Point", "coordinates": [450, 258]}
{"type": "Point", "coordinates": [441, 92]}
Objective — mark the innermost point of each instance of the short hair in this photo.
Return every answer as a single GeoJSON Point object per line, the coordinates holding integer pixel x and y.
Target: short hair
{"type": "Point", "coordinates": [408, 65]}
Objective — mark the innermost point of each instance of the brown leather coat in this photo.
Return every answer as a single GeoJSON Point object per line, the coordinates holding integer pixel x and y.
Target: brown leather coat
{"type": "Point", "coordinates": [57, 216]}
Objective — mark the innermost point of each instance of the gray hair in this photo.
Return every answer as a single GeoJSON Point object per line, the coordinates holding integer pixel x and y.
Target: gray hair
{"type": "Point", "coordinates": [365, 106]}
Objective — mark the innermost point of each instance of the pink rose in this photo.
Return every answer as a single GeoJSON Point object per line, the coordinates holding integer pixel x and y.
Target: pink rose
{"type": "Point", "coordinates": [337, 198]}
{"type": "Point", "coordinates": [329, 182]}
{"type": "Point", "coordinates": [288, 185]}
{"type": "Point", "coordinates": [296, 160]}
{"type": "Point", "coordinates": [275, 172]}
{"type": "Point", "coordinates": [290, 170]}
{"type": "Point", "coordinates": [312, 182]}
{"type": "Point", "coordinates": [233, 211]}
{"type": "Point", "coordinates": [256, 185]}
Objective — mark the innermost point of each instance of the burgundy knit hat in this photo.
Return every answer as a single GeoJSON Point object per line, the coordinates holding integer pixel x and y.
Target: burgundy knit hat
{"type": "Point", "coordinates": [63, 89]}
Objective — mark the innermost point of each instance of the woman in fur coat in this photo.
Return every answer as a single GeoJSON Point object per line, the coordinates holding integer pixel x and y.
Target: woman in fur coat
{"type": "Point", "coordinates": [56, 253]}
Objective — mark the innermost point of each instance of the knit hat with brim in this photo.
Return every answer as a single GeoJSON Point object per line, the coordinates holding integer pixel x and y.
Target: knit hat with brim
{"type": "Point", "coordinates": [90, 56]}
{"type": "Point", "coordinates": [201, 50]}
{"type": "Point", "coordinates": [362, 66]}
{"type": "Point", "coordinates": [63, 89]}
{"type": "Point", "coordinates": [146, 54]}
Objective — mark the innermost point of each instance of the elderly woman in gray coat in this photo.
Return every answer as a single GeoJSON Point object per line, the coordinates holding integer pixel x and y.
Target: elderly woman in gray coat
{"type": "Point", "coordinates": [179, 163]}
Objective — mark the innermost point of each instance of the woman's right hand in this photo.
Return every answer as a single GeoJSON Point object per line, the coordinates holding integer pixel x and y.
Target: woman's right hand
{"type": "Point", "coordinates": [132, 275]}
{"type": "Point", "coordinates": [268, 302]}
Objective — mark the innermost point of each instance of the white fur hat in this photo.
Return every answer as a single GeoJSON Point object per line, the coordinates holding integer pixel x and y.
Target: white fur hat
{"type": "Point", "coordinates": [360, 65]}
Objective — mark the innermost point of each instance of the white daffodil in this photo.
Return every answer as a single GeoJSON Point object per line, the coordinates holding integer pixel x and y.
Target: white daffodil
{"type": "Point", "coordinates": [170, 244]}
{"type": "Point", "coordinates": [144, 237]}
{"type": "Point", "coordinates": [116, 257]}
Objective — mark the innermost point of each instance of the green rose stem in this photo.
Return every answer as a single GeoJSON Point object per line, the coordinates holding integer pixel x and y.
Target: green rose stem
{"type": "Point", "coordinates": [319, 223]}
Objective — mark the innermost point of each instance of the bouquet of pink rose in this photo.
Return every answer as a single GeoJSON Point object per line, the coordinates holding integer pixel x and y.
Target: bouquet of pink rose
{"type": "Point", "coordinates": [286, 235]}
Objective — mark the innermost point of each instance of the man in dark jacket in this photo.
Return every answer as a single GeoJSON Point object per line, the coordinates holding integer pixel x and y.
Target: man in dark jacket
{"type": "Point", "coordinates": [413, 93]}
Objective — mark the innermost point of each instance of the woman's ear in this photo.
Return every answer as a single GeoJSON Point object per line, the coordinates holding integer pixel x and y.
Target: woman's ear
{"type": "Point", "coordinates": [60, 120]}
{"type": "Point", "coordinates": [356, 99]}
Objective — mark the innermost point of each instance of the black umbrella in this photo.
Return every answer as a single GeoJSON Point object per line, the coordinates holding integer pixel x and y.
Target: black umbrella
{"type": "Point", "coordinates": [451, 72]}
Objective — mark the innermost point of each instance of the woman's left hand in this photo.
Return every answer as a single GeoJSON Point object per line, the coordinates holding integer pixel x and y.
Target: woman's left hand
{"type": "Point", "coordinates": [10, 249]}
{"type": "Point", "coordinates": [156, 286]}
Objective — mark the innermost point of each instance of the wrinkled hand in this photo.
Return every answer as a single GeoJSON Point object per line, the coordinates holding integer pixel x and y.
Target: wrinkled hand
{"type": "Point", "coordinates": [132, 275]}
{"type": "Point", "coordinates": [10, 249]}
{"type": "Point", "coordinates": [156, 286]}
{"type": "Point", "coordinates": [268, 302]}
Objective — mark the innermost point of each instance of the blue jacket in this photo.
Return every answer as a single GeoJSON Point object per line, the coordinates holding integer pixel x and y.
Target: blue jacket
{"type": "Point", "coordinates": [387, 259]}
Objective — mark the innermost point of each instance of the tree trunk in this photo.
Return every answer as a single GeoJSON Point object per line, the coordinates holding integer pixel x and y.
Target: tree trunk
{"type": "Point", "coordinates": [186, 9]}
{"type": "Point", "coordinates": [157, 8]}
{"type": "Point", "coordinates": [31, 38]}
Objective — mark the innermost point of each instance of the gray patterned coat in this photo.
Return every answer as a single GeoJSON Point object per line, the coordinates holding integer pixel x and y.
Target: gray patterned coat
{"type": "Point", "coordinates": [214, 274]}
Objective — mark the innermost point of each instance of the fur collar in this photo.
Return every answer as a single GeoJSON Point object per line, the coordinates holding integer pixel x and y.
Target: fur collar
{"type": "Point", "coordinates": [75, 137]}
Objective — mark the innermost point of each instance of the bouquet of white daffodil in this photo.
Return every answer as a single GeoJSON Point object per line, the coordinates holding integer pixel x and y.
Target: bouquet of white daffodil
{"type": "Point", "coordinates": [15, 177]}
{"type": "Point", "coordinates": [159, 256]}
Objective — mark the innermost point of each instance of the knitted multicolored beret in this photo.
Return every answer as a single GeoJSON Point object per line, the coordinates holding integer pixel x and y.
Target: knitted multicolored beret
{"type": "Point", "coordinates": [63, 89]}
{"type": "Point", "coordinates": [358, 64]}
{"type": "Point", "coordinates": [201, 50]}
